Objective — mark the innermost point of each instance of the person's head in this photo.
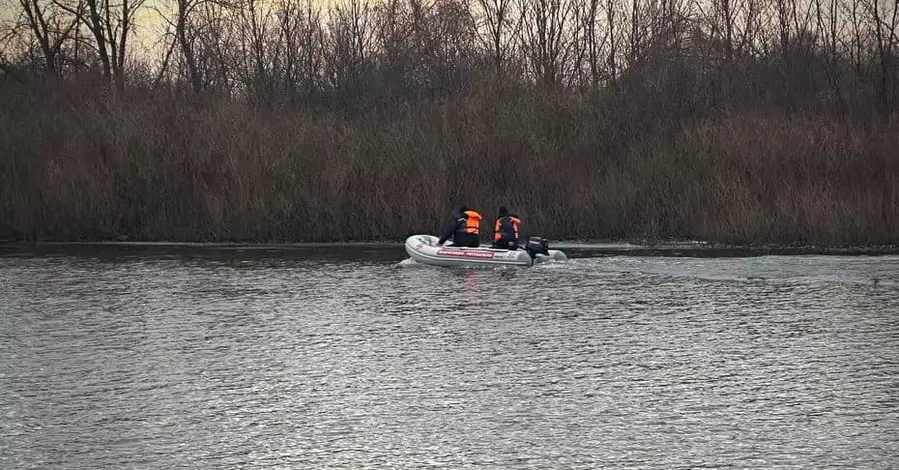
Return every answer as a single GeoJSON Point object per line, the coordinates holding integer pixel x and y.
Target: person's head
{"type": "Point", "coordinates": [463, 209]}
{"type": "Point", "coordinates": [503, 211]}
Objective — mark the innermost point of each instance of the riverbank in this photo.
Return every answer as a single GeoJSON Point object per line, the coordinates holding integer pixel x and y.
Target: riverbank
{"type": "Point", "coordinates": [395, 250]}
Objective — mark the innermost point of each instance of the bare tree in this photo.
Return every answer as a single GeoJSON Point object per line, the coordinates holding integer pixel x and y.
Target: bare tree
{"type": "Point", "coordinates": [784, 7]}
{"type": "Point", "coordinates": [545, 41]}
{"type": "Point", "coordinates": [185, 28]}
{"type": "Point", "coordinates": [883, 15]}
{"type": "Point", "coordinates": [110, 24]}
{"type": "Point", "coordinates": [302, 35]}
{"type": "Point", "coordinates": [392, 36]}
{"type": "Point", "coordinates": [827, 18]}
{"type": "Point", "coordinates": [185, 9]}
{"type": "Point", "coordinates": [451, 32]}
{"type": "Point", "coordinates": [612, 22]}
{"type": "Point", "coordinates": [253, 24]}
{"type": "Point", "coordinates": [203, 33]}
{"type": "Point", "coordinates": [726, 11]}
{"type": "Point", "coordinates": [586, 43]}
{"type": "Point", "coordinates": [51, 26]}
{"type": "Point", "coordinates": [350, 41]}
{"type": "Point", "coordinates": [498, 30]}
{"type": "Point", "coordinates": [596, 41]}
{"type": "Point", "coordinates": [750, 26]}
{"type": "Point", "coordinates": [7, 34]}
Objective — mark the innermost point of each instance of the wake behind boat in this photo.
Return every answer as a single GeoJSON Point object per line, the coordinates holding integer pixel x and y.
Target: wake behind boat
{"type": "Point", "coordinates": [424, 249]}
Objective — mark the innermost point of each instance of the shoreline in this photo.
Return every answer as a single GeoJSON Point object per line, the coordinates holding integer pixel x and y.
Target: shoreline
{"type": "Point", "coordinates": [577, 248]}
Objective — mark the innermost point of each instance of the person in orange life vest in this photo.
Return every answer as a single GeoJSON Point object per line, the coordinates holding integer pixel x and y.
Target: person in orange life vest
{"type": "Point", "coordinates": [463, 229]}
{"type": "Point", "coordinates": [505, 231]}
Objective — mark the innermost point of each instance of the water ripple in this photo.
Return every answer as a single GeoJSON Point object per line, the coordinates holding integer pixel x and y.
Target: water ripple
{"type": "Point", "coordinates": [251, 359]}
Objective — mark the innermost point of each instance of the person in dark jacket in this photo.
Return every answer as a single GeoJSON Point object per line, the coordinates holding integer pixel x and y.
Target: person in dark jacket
{"type": "Point", "coordinates": [464, 229]}
{"type": "Point", "coordinates": [505, 231]}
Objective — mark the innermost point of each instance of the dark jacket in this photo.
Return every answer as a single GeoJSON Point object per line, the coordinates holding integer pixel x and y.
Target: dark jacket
{"type": "Point", "coordinates": [506, 231]}
{"type": "Point", "coordinates": [456, 230]}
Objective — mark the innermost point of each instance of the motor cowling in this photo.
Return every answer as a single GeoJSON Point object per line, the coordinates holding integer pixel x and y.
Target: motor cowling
{"type": "Point", "coordinates": [537, 246]}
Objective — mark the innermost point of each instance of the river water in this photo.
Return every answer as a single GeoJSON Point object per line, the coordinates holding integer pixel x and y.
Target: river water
{"type": "Point", "coordinates": [329, 357]}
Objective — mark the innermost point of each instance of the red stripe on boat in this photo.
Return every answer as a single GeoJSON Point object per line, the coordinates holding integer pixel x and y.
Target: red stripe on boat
{"type": "Point", "coordinates": [466, 254]}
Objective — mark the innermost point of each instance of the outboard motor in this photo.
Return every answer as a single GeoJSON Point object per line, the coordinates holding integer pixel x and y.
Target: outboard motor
{"type": "Point", "coordinates": [536, 246]}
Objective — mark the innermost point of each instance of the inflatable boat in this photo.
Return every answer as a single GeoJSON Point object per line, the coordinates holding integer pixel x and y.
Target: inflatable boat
{"type": "Point", "coordinates": [424, 249]}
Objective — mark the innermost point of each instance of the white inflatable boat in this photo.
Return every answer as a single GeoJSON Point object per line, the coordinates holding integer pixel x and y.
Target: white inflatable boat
{"type": "Point", "coordinates": [424, 249]}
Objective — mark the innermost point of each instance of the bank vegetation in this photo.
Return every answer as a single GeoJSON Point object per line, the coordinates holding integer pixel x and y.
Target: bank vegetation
{"type": "Point", "coordinates": [738, 121]}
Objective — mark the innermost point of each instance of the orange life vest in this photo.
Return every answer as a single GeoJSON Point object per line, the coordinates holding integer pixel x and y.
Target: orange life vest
{"type": "Point", "coordinates": [472, 222]}
{"type": "Point", "coordinates": [498, 228]}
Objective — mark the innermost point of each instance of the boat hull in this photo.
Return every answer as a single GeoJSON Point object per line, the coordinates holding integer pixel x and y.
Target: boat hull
{"type": "Point", "coordinates": [424, 249]}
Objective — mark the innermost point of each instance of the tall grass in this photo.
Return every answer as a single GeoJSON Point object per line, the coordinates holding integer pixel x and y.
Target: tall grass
{"type": "Point", "coordinates": [80, 162]}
